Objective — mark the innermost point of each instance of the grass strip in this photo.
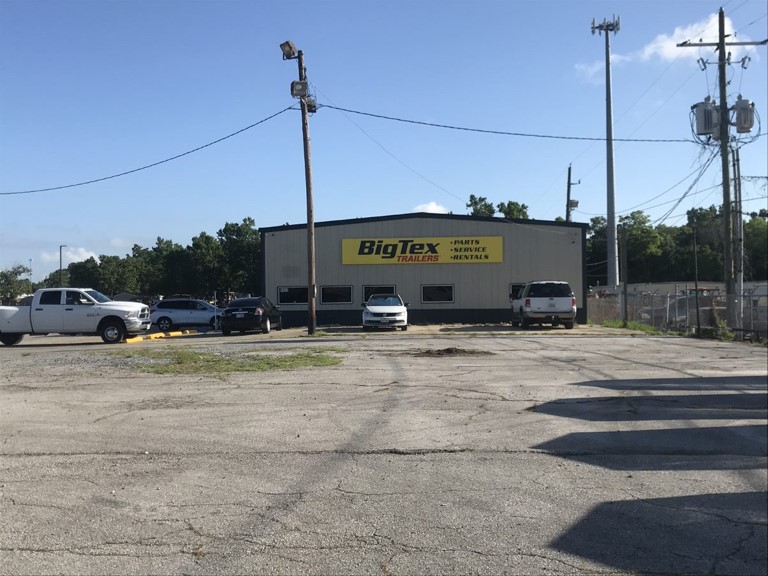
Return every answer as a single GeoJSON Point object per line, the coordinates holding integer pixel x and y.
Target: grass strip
{"type": "Point", "coordinates": [173, 361]}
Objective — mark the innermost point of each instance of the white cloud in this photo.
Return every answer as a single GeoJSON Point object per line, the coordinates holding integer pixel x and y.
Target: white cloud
{"type": "Point", "coordinates": [431, 207]}
{"type": "Point", "coordinates": [665, 47]}
{"type": "Point", "coordinates": [69, 254]}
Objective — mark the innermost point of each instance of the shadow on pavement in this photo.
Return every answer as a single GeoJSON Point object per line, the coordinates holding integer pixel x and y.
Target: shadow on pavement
{"type": "Point", "coordinates": [685, 535]}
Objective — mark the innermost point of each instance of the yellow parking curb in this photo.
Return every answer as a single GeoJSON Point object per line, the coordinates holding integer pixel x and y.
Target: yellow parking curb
{"type": "Point", "coordinates": [159, 335]}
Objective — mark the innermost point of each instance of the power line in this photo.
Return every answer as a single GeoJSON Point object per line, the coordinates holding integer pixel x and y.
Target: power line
{"type": "Point", "coordinates": [148, 165]}
{"type": "Point", "coordinates": [500, 132]}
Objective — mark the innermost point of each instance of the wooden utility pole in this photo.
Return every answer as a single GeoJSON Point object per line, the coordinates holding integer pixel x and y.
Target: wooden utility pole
{"type": "Point", "coordinates": [722, 62]}
{"type": "Point", "coordinates": [311, 275]}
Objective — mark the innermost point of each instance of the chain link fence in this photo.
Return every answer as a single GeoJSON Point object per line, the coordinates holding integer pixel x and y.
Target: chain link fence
{"type": "Point", "coordinates": [687, 312]}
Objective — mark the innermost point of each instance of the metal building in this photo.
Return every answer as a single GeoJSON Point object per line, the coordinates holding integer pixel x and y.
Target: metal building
{"type": "Point", "coordinates": [448, 268]}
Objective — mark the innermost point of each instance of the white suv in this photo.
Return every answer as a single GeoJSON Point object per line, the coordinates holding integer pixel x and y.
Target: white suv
{"type": "Point", "coordinates": [172, 312]}
{"type": "Point", "coordinates": [544, 302]}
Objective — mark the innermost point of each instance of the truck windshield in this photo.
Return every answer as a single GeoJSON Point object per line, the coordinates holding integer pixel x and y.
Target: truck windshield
{"type": "Point", "coordinates": [98, 296]}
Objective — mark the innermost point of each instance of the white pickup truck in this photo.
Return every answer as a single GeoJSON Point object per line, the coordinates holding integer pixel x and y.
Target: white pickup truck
{"type": "Point", "coordinates": [73, 311]}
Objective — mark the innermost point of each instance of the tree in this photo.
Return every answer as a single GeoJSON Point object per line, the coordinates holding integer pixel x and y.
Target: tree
{"type": "Point", "coordinates": [513, 210]}
{"type": "Point", "coordinates": [208, 258]}
{"type": "Point", "coordinates": [756, 247]}
{"type": "Point", "coordinates": [643, 247]}
{"type": "Point", "coordinates": [85, 274]}
{"type": "Point", "coordinates": [597, 251]}
{"type": "Point", "coordinates": [480, 206]}
{"type": "Point", "coordinates": [241, 246]}
{"type": "Point", "coordinates": [12, 285]}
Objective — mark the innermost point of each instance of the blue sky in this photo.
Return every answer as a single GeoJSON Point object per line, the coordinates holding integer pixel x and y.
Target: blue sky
{"type": "Point", "coordinates": [89, 89]}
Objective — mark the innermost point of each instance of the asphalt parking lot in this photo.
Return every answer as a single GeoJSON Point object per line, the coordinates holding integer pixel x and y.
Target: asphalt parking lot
{"type": "Point", "coordinates": [441, 450]}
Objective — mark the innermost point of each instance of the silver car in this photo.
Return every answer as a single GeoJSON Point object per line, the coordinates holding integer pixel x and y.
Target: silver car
{"type": "Point", "coordinates": [175, 312]}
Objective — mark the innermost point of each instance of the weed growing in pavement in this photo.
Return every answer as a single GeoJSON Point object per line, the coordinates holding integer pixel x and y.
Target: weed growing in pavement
{"type": "Point", "coordinates": [639, 326]}
{"type": "Point", "coordinates": [177, 361]}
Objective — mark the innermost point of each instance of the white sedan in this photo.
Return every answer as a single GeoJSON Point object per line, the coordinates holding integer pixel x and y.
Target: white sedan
{"type": "Point", "coordinates": [385, 311]}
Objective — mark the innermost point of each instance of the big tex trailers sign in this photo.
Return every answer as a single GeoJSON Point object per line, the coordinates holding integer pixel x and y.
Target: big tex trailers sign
{"type": "Point", "coordinates": [440, 250]}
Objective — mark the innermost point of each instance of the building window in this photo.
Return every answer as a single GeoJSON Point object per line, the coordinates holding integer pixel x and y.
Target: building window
{"type": "Point", "coordinates": [369, 290]}
{"type": "Point", "coordinates": [292, 295]}
{"type": "Point", "coordinates": [335, 294]}
{"type": "Point", "coordinates": [433, 293]}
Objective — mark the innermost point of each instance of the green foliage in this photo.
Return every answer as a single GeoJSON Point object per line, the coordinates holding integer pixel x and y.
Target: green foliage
{"type": "Point", "coordinates": [480, 206]}
{"type": "Point", "coordinates": [636, 326]}
{"type": "Point", "coordinates": [513, 210]}
{"type": "Point", "coordinates": [12, 285]}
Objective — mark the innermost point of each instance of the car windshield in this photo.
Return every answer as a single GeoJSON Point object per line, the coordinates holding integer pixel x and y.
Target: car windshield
{"type": "Point", "coordinates": [98, 296]}
{"type": "Point", "coordinates": [385, 300]}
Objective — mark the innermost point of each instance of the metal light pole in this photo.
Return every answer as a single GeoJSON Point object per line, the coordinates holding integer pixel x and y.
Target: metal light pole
{"type": "Point", "coordinates": [61, 267]}
{"type": "Point", "coordinates": [300, 90]}
{"type": "Point", "coordinates": [613, 262]}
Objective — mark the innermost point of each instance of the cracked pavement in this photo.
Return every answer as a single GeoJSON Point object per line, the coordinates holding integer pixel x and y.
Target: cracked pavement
{"type": "Point", "coordinates": [433, 451]}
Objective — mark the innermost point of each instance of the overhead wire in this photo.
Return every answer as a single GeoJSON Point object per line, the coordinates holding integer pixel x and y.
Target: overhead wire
{"type": "Point", "coordinates": [503, 132]}
{"type": "Point", "coordinates": [176, 157]}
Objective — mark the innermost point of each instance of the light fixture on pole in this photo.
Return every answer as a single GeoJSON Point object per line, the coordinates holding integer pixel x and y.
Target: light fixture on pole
{"type": "Point", "coordinates": [61, 267]}
{"type": "Point", "coordinates": [300, 90]}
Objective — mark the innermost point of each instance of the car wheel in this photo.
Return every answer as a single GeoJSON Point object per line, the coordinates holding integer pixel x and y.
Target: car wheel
{"type": "Point", "coordinates": [225, 332]}
{"type": "Point", "coordinates": [215, 323]}
{"type": "Point", "coordinates": [366, 328]}
{"type": "Point", "coordinates": [11, 339]}
{"type": "Point", "coordinates": [164, 324]}
{"type": "Point", "coordinates": [279, 325]}
{"type": "Point", "coordinates": [404, 328]}
{"type": "Point", "coordinates": [112, 332]}
{"type": "Point", "coordinates": [266, 326]}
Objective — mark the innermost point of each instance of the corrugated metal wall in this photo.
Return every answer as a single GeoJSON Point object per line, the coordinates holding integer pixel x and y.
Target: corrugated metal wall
{"type": "Point", "coordinates": [531, 251]}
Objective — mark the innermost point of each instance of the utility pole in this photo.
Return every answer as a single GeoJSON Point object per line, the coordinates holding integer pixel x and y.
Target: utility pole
{"type": "Point", "coordinates": [311, 274]}
{"type": "Point", "coordinates": [61, 267]}
{"type": "Point", "coordinates": [570, 204]}
{"type": "Point", "coordinates": [730, 287]}
{"type": "Point", "coordinates": [613, 262]}
{"type": "Point", "coordinates": [724, 125]}
{"type": "Point", "coordinates": [300, 90]}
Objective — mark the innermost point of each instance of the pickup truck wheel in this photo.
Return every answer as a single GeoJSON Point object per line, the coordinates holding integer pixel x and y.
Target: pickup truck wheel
{"type": "Point", "coordinates": [11, 339]}
{"type": "Point", "coordinates": [112, 332]}
{"type": "Point", "coordinates": [568, 325]}
{"type": "Point", "coordinates": [266, 326]}
{"type": "Point", "coordinates": [164, 324]}
{"type": "Point", "coordinates": [225, 332]}
{"type": "Point", "coordinates": [524, 322]}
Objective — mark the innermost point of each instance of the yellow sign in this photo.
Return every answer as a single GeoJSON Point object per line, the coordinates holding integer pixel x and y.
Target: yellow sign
{"type": "Point", "coordinates": [441, 250]}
